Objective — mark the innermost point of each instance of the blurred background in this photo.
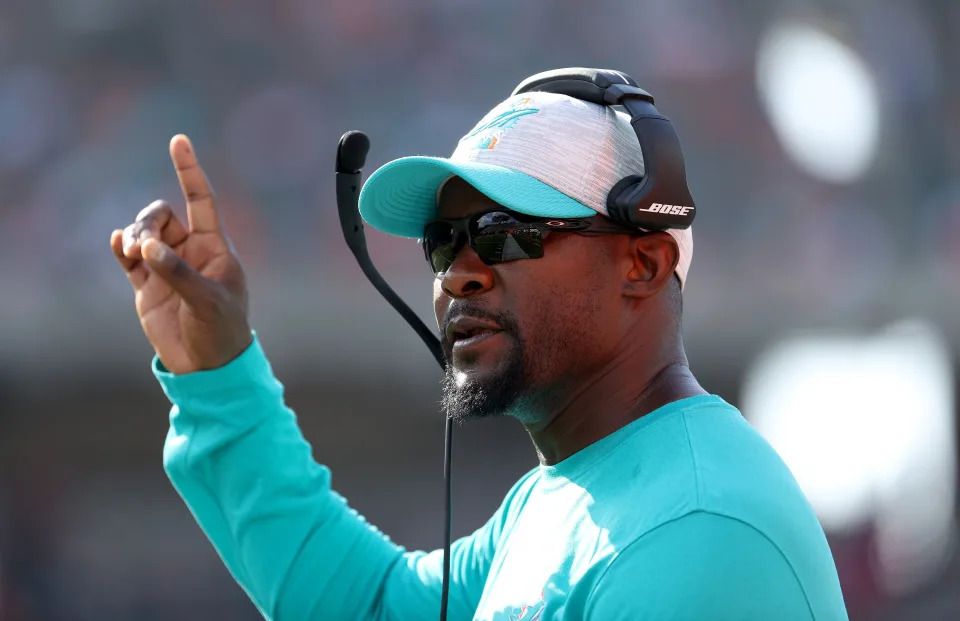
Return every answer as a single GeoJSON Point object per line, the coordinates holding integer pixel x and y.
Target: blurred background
{"type": "Point", "coordinates": [823, 148]}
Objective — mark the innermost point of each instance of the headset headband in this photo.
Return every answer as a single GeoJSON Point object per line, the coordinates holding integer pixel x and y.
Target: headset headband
{"type": "Point", "coordinates": [660, 198]}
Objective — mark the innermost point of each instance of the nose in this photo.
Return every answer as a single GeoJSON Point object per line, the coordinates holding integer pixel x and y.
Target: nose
{"type": "Point", "coordinates": [467, 275]}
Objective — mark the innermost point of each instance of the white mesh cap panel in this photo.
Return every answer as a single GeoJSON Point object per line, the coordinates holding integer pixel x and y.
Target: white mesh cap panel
{"type": "Point", "coordinates": [576, 147]}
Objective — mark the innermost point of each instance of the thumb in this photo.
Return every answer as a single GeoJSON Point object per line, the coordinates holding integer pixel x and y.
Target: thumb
{"type": "Point", "coordinates": [174, 271]}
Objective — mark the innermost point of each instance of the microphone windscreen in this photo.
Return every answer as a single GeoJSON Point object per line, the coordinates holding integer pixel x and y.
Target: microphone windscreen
{"type": "Point", "coordinates": [352, 152]}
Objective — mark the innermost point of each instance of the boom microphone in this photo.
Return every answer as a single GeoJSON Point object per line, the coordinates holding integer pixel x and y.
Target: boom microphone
{"type": "Point", "coordinates": [352, 152]}
{"type": "Point", "coordinates": [351, 156]}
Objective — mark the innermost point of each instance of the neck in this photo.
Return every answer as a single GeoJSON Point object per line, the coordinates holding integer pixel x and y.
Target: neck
{"type": "Point", "coordinates": [614, 395]}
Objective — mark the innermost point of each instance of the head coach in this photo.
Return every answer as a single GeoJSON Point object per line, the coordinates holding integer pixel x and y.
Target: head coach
{"type": "Point", "coordinates": [653, 499]}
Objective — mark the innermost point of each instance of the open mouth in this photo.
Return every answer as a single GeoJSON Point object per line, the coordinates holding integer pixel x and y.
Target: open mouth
{"type": "Point", "coordinates": [472, 336]}
{"type": "Point", "coordinates": [465, 332]}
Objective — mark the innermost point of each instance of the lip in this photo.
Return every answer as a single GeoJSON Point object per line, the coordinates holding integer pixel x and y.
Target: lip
{"type": "Point", "coordinates": [465, 331]}
{"type": "Point", "coordinates": [461, 345]}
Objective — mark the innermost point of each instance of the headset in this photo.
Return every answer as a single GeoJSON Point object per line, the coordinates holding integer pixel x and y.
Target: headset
{"type": "Point", "coordinates": [656, 201]}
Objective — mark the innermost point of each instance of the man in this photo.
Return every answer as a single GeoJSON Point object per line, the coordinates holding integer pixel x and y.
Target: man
{"type": "Point", "coordinates": [653, 498]}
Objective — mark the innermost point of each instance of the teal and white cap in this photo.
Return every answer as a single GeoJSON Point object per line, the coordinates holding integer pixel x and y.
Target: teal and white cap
{"type": "Point", "coordinates": [541, 154]}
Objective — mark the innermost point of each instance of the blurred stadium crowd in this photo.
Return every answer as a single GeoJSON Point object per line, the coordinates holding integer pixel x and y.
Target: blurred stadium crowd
{"type": "Point", "coordinates": [91, 92]}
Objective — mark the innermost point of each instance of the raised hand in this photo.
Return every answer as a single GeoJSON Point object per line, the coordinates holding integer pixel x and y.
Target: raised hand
{"type": "Point", "coordinates": [191, 293]}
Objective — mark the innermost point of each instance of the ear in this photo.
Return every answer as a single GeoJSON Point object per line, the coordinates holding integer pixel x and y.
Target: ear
{"type": "Point", "coordinates": [654, 258]}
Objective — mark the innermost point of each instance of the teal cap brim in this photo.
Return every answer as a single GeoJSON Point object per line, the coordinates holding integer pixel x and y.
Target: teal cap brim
{"type": "Point", "coordinates": [400, 197]}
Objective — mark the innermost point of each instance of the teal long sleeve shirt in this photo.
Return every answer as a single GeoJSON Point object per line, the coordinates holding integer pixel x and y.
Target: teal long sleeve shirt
{"type": "Point", "coordinates": [686, 513]}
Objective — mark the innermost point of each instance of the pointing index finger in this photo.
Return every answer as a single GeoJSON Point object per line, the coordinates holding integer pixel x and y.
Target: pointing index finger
{"type": "Point", "coordinates": [201, 209]}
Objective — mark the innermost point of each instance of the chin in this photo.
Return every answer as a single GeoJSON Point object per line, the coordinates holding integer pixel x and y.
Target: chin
{"type": "Point", "coordinates": [477, 373]}
{"type": "Point", "coordinates": [482, 387]}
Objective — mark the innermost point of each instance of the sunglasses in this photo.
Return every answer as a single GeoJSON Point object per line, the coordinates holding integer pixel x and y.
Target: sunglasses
{"type": "Point", "coordinates": [501, 235]}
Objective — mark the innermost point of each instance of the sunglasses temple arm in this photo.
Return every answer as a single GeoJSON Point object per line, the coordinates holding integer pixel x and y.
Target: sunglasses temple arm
{"type": "Point", "coordinates": [351, 154]}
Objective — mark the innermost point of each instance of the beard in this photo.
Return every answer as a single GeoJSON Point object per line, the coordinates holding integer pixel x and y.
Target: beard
{"type": "Point", "coordinates": [492, 395]}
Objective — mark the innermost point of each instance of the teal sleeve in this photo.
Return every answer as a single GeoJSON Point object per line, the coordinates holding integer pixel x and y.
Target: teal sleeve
{"type": "Point", "coordinates": [236, 455]}
{"type": "Point", "coordinates": [700, 566]}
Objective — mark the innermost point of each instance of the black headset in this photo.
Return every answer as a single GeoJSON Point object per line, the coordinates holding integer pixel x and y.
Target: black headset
{"type": "Point", "coordinates": [656, 201]}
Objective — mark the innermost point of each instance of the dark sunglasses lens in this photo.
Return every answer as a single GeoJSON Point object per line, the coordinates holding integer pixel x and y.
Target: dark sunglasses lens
{"type": "Point", "coordinates": [441, 258]}
{"type": "Point", "coordinates": [518, 244]}
{"type": "Point", "coordinates": [438, 233]}
{"type": "Point", "coordinates": [496, 237]}
{"type": "Point", "coordinates": [495, 222]}
{"type": "Point", "coordinates": [499, 237]}
{"type": "Point", "coordinates": [439, 244]}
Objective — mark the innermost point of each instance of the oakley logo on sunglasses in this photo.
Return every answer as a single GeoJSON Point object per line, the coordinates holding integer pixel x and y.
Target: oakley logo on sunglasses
{"type": "Point", "coordinates": [672, 210]}
{"type": "Point", "coordinates": [564, 224]}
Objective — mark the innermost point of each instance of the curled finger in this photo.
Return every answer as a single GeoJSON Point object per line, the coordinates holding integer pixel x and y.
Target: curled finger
{"type": "Point", "coordinates": [158, 221]}
{"type": "Point", "coordinates": [134, 268]}
{"type": "Point", "coordinates": [129, 244]}
{"type": "Point", "coordinates": [164, 262]}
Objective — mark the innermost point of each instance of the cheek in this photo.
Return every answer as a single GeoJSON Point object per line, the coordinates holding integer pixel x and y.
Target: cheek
{"type": "Point", "coordinates": [565, 322]}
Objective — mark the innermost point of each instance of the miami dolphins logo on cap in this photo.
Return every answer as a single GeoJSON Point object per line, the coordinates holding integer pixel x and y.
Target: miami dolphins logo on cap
{"type": "Point", "coordinates": [491, 128]}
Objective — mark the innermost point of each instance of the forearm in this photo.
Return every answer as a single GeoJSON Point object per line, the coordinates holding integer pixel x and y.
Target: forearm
{"type": "Point", "coordinates": [236, 455]}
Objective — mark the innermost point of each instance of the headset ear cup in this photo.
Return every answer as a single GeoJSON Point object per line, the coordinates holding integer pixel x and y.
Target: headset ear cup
{"type": "Point", "coordinates": [617, 210]}
{"type": "Point", "coordinates": [658, 200]}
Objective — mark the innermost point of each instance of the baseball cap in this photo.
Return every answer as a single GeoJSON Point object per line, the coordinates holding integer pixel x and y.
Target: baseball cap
{"type": "Point", "coordinates": [537, 153]}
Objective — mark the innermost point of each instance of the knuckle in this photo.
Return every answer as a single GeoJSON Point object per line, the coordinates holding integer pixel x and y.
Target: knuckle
{"type": "Point", "coordinates": [153, 211]}
{"type": "Point", "coordinates": [198, 194]}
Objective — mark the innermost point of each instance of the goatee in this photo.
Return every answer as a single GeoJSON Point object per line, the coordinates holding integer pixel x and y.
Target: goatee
{"type": "Point", "coordinates": [493, 395]}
